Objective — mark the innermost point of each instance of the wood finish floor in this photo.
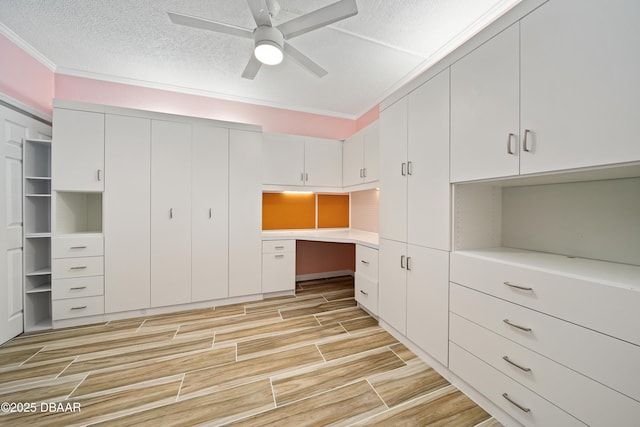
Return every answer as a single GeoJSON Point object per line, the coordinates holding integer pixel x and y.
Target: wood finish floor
{"type": "Point", "coordinates": [310, 359]}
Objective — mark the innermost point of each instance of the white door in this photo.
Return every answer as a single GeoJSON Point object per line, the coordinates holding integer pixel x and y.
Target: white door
{"type": "Point", "coordinates": [323, 162]}
{"type": "Point", "coordinates": [13, 128]}
{"type": "Point", "coordinates": [392, 291]}
{"type": "Point", "coordinates": [210, 213]}
{"type": "Point", "coordinates": [170, 213]}
{"type": "Point", "coordinates": [352, 160]}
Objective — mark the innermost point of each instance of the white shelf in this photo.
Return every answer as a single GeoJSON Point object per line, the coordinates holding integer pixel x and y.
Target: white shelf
{"type": "Point", "coordinates": [38, 178]}
{"type": "Point", "coordinates": [37, 235]}
{"type": "Point", "coordinates": [42, 325]}
{"type": "Point", "coordinates": [45, 287]}
{"type": "Point", "coordinates": [39, 272]}
{"type": "Point", "coordinates": [37, 195]}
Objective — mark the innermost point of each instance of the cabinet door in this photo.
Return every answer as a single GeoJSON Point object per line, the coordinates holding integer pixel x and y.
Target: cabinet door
{"type": "Point", "coordinates": [580, 64]}
{"type": "Point", "coordinates": [428, 153]}
{"type": "Point", "coordinates": [372, 153]}
{"type": "Point", "coordinates": [392, 286]}
{"type": "Point", "coordinates": [393, 176]}
{"type": "Point", "coordinates": [278, 272]}
{"type": "Point", "coordinates": [323, 162]}
{"type": "Point", "coordinates": [352, 160]}
{"type": "Point", "coordinates": [209, 213]}
{"type": "Point", "coordinates": [485, 110]}
{"type": "Point", "coordinates": [282, 159]}
{"type": "Point", "coordinates": [428, 300]}
{"type": "Point", "coordinates": [245, 213]}
{"type": "Point", "coordinates": [78, 150]}
{"type": "Point", "coordinates": [170, 213]}
{"type": "Point", "coordinates": [127, 210]}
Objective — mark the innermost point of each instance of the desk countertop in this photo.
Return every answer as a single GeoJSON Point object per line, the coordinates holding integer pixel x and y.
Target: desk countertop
{"type": "Point", "coordinates": [341, 235]}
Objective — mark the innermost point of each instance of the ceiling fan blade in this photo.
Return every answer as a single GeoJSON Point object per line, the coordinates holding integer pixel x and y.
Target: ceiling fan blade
{"type": "Point", "coordinates": [206, 24]}
{"type": "Point", "coordinates": [304, 60]}
{"type": "Point", "coordinates": [252, 68]}
{"type": "Point", "coordinates": [260, 12]}
{"type": "Point", "coordinates": [319, 18]}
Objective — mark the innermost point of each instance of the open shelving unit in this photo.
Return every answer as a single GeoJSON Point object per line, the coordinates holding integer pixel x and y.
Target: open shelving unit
{"type": "Point", "coordinates": [37, 234]}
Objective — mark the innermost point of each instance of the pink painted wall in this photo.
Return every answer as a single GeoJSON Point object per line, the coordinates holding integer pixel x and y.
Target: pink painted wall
{"type": "Point", "coordinates": [24, 78]}
{"type": "Point", "coordinates": [364, 210]}
{"type": "Point", "coordinates": [322, 257]}
{"type": "Point", "coordinates": [270, 118]}
{"type": "Point", "coordinates": [367, 118]}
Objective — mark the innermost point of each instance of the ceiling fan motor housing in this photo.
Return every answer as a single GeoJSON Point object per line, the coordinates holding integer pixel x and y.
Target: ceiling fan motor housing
{"type": "Point", "coordinates": [268, 36]}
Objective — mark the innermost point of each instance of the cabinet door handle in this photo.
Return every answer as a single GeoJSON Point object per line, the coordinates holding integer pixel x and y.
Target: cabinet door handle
{"type": "Point", "coordinates": [409, 168]}
{"type": "Point", "coordinates": [210, 214]}
{"type": "Point", "coordinates": [509, 146]}
{"type": "Point", "coordinates": [408, 263]}
{"type": "Point", "coordinates": [170, 213]}
{"type": "Point", "coordinates": [522, 408]}
{"type": "Point", "coordinates": [364, 262]}
{"type": "Point", "coordinates": [364, 293]}
{"type": "Point", "coordinates": [78, 247]}
{"type": "Point", "coordinates": [402, 261]}
{"type": "Point", "coordinates": [403, 169]}
{"type": "Point", "coordinates": [361, 173]}
{"type": "Point", "coordinates": [364, 172]}
{"type": "Point", "coordinates": [302, 176]}
{"type": "Point", "coordinates": [506, 359]}
{"type": "Point", "coordinates": [99, 174]}
{"type": "Point", "coordinates": [525, 145]}
{"type": "Point", "coordinates": [523, 288]}
{"type": "Point", "coordinates": [79, 308]}
{"type": "Point", "coordinates": [82, 267]}
{"type": "Point", "coordinates": [306, 176]}
{"type": "Point", "coordinates": [77, 288]}
{"type": "Point", "coordinates": [279, 256]}
{"type": "Point", "coordinates": [522, 328]}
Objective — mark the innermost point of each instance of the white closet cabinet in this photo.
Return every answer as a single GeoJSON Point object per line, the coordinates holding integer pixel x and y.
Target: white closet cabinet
{"type": "Point", "coordinates": [78, 156]}
{"type": "Point", "coordinates": [323, 162]}
{"type": "Point", "coordinates": [245, 213]}
{"type": "Point", "coordinates": [485, 110]}
{"type": "Point", "coordinates": [360, 156]}
{"type": "Point", "coordinates": [580, 63]}
{"type": "Point", "coordinates": [210, 213]}
{"type": "Point", "coordinates": [127, 210]}
{"type": "Point", "coordinates": [170, 213]}
{"type": "Point", "coordinates": [392, 288]}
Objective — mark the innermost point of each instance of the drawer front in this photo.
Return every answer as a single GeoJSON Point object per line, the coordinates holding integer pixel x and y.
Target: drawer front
{"type": "Point", "coordinates": [598, 356]}
{"type": "Point", "coordinates": [534, 411]}
{"type": "Point", "coordinates": [77, 307]}
{"type": "Point", "coordinates": [76, 246]}
{"type": "Point", "coordinates": [367, 293]}
{"type": "Point", "coordinates": [367, 262]}
{"type": "Point", "coordinates": [275, 246]}
{"type": "Point", "coordinates": [278, 272]}
{"type": "Point", "coordinates": [65, 268]}
{"type": "Point", "coordinates": [572, 299]}
{"type": "Point", "coordinates": [78, 287]}
{"type": "Point", "coordinates": [564, 387]}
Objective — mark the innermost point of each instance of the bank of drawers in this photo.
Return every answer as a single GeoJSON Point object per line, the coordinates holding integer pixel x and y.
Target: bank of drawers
{"type": "Point", "coordinates": [78, 276]}
{"type": "Point", "coordinates": [366, 278]}
{"type": "Point", "coordinates": [521, 334]}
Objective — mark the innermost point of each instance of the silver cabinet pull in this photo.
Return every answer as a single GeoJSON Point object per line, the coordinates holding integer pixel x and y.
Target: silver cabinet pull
{"type": "Point", "coordinates": [364, 172]}
{"type": "Point", "coordinates": [79, 308]}
{"type": "Point", "coordinates": [522, 328]}
{"type": "Point", "coordinates": [523, 288]}
{"type": "Point", "coordinates": [210, 213]}
{"type": "Point", "coordinates": [77, 288]}
{"type": "Point", "coordinates": [302, 176]}
{"type": "Point", "coordinates": [363, 292]}
{"type": "Point", "coordinates": [78, 247]}
{"type": "Point", "coordinates": [509, 139]}
{"type": "Point", "coordinates": [402, 261]}
{"type": "Point", "coordinates": [403, 169]}
{"type": "Point", "coordinates": [99, 174]}
{"type": "Point", "coordinates": [170, 213]}
{"type": "Point", "coordinates": [408, 263]}
{"type": "Point", "coordinates": [361, 176]}
{"type": "Point", "coordinates": [506, 359]}
{"type": "Point", "coordinates": [364, 262]}
{"type": "Point", "coordinates": [279, 247]}
{"type": "Point", "coordinates": [306, 176]}
{"type": "Point", "coordinates": [82, 267]}
{"type": "Point", "coordinates": [522, 408]}
{"type": "Point", "coordinates": [409, 168]}
{"type": "Point", "coordinates": [279, 256]}
{"type": "Point", "coordinates": [525, 145]}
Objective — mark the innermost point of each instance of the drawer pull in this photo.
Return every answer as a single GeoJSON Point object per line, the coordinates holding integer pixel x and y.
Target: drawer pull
{"type": "Point", "coordinates": [82, 267]}
{"type": "Point", "coordinates": [78, 247]}
{"type": "Point", "coordinates": [522, 328]}
{"type": "Point", "coordinates": [77, 288]}
{"type": "Point", "coordinates": [522, 288]}
{"type": "Point", "coordinates": [279, 247]}
{"type": "Point", "coordinates": [279, 256]}
{"type": "Point", "coordinates": [402, 261]}
{"type": "Point", "coordinates": [79, 308]}
{"type": "Point", "coordinates": [509, 149]}
{"type": "Point", "coordinates": [364, 293]}
{"type": "Point", "coordinates": [364, 262]}
{"type": "Point", "coordinates": [506, 359]}
{"type": "Point", "coordinates": [517, 405]}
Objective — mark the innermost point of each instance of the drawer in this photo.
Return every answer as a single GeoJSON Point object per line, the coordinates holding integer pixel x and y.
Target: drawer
{"type": "Point", "coordinates": [367, 262]}
{"type": "Point", "coordinates": [274, 246]}
{"type": "Point", "coordinates": [78, 287]}
{"type": "Point", "coordinates": [534, 411]}
{"type": "Point", "coordinates": [76, 246]}
{"type": "Point", "coordinates": [366, 293]}
{"type": "Point", "coordinates": [77, 307]}
{"type": "Point", "coordinates": [612, 310]}
{"type": "Point", "coordinates": [563, 387]}
{"type": "Point", "coordinates": [278, 272]}
{"type": "Point", "coordinates": [64, 268]}
{"type": "Point", "coordinates": [598, 356]}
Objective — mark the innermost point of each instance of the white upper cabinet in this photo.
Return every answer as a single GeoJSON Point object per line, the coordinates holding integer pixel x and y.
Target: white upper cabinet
{"type": "Point", "coordinates": [78, 150]}
{"type": "Point", "coordinates": [360, 156]}
{"type": "Point", "coordinates": [485, 110]}
{"type": "Point", "coordinates": [290, 160]}
{"type": "Point", "coordinates": [372, 152]}
{"type": "Point", "coordinates": [580, 63]}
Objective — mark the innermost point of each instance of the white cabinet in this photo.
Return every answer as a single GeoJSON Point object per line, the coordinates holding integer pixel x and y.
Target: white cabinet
{"type": "Point", "coordinates": [78, 153]}
{"type": "Point", "coordinates": [127, 213]}
{"type": "Point", "coordinates": [360, 156]}
{"type": "Point", "coordinates": [366, 278]}
{"type": "Point", "coordinates": [414, 167]}
{"type": "Point", "coordinates": [245, 213]}
{"type": "Point", "coordinates": [392, 288]}
{"type": "Point", "coordinates": [170, 213]}
{"type": "Point", "coordinates": [290, 160]}
{"type": "Point", "coordinates": [278, 266]}
{"type": "Point", "coordinates": [210, 213]}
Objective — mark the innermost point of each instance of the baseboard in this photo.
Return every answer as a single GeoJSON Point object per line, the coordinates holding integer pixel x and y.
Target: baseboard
{"type": "Point", "coordinates": [323, 275]}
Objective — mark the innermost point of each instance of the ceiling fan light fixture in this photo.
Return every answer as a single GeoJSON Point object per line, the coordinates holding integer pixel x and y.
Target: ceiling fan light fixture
{"type": "Point", "coordinates": [269, 44]}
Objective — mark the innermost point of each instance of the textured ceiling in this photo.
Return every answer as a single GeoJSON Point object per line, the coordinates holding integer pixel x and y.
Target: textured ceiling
{"type": "Point", "coordinates": [367, 56]}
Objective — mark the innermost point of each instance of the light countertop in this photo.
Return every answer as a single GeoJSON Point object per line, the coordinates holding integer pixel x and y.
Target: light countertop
{"type": "Point", "coordinates": [337, 235]}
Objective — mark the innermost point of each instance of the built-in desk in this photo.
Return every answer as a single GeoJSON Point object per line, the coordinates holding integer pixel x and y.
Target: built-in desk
{"type": "Point", "coordinates": [342, 235]}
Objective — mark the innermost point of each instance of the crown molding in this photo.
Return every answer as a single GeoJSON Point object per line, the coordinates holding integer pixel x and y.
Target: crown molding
{"type": "Point", "coordinates": [30, 50]}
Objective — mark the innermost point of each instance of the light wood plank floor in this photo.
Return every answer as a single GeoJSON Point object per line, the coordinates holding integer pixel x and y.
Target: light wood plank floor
{"type": "Point", "coordinates": [310, 359]}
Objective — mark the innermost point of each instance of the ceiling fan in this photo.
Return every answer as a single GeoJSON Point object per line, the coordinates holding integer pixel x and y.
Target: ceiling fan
{"type": "Point", "coordinates": [270, 43]}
